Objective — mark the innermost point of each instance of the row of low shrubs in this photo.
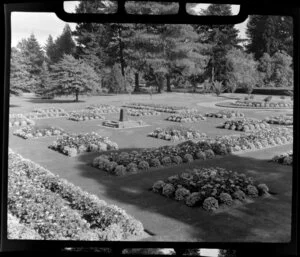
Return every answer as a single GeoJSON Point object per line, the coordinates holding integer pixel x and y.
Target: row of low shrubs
{"type": "Point", "coordinates": [280, 120]}
{"type": "Point", "coordinates": [176, 133]}
{"type": "Point", "coordinates": [17, 230]}
{"type": "Point", "coordinates": [285, 158]}
{"type": "Point", "coordinates": [58, 210]}
{"type": "Point", "coordinates": [134, 112]}
{"type": "Point", "coordinates": [186, 117]}
{"type": "Point", "coordinates": [83, 115]}
{"type": "Point", "coordinates": [155, 107]}
{"type": "Point", "coordinates": [264, 104]}
{"type": "Point", "coordinates": [37, 132]}
{"type": "Point", "coordinates": [245, 125]}
{"type": "Point", "coordinates": [17, 120]}
{"type": "Point", "coordinates": [74, 144]}
{"type": "Point", "coordinates": [225, 114]}
{"type": "Point", "coordinates": [43, 113]}
{"type": "Point", "coordinates": [103, 108]}
{"type": "Point", "coordinates": [209, 187]}
{"type": "Point", "coordinates": [123, 163]}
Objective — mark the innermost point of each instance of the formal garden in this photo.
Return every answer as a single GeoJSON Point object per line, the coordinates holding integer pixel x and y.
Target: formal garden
{"type": "Point", "coordinates": [99, 150]}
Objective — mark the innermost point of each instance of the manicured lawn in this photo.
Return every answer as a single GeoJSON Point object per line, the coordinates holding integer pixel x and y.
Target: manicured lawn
{"type": "Point", "coordinates": [264, 219]}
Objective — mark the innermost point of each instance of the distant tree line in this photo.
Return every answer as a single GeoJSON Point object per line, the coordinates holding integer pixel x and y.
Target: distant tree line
{"type": "Point", "coordinates": [116, 57]}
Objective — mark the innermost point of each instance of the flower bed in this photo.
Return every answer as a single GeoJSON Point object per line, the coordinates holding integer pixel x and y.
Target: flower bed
{"type": "Point", "coordinates": [74, 144]}
{"type": "Point", "coordinates": [140, 112]}
{"type": "Point", "coordinates": [186, 117]}
{"type": "Point", "coordinates": [245, 125]}
{"type": "Point", "coordinates": [45, 113]}
{"type": "Point", "coordinates": [36, 132]}
{"type": "Point", "coordinates": [176, 133]}
{"type": "Point", "coordinates": [254, 140]}
{"type": "Point", "coordinates": [286, 158]}
{"type": "Point", "coordinates": [58, 210]}
{"type": "Point", "coordinates": [280, 120]}
{"type": "Point", "coordinates": [263, 104]}
{"type": "Point", "coordinates": [209, 187]}
{"type": "Point", "coordinates": [123, 163]}
{"type": "Point", "coordinates": [103, 108]}
{"type": "Point", "coordinates": [225, 114]}
{"type": "Point", "coordinates": [83, 115]}
{"type": "Point", "coordinates": [16, 230]}
{"type": "Point", "coordinates": [17, 120]}
{"type": "Point", "coordinates": [155, 107]}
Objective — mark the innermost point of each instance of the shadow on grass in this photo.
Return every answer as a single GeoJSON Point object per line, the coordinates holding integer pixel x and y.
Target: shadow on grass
{"type": "Point", "coordinates": [52, 101]}
{"type": "Point", "coordinates": [173, 221]}
{"type": "Point", "coordinates": [13, 106]}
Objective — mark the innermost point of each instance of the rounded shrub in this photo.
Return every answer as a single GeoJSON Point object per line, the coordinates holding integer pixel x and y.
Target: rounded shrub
{"type": "Point", "coordinates": [210, 204]}
{"type": "Point", "coordinates": [143, 165]}
{"type": "Point", "coordinates": [188, 158]}
{"type": "Point", "coordinates": [110, 166]}
{"type": "Point", "coordinates": [176, 159]}
{"type": "Point", "coordinates": [252, 191]}
{"type": "Point", "coordinates": [132, 168]}
{"type": "Point", "coordinates": [166, 161]}
{"type": "Point", "coordinates": [120, 170]}
{"type": "Point", "coordinates": [181, 193]}
{"type": "Point", "coordinates": [168, 190]}
{"type": "Point", "coordinates": [239, 195]}
{"type": "Point", "coordinates": [263, 189]}
{"type": "Point", "coordinates": [158, 186]}
{"type": "Point", "coordinates": [225, 198]}
{"type": "Point", "coordinates": [200, 155]}
{"type": "Point", "coordinates": [154, 162]}
{"type": "Point", "coordinates": [209, 154]}
{"type": "Point", "coordinates": [193, 199]}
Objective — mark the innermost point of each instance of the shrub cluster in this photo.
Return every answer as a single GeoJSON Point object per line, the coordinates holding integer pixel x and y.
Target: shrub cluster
{"type": "Point", "coordinates": [74, 144]}
{"type": "Point", "coordinates": [245, 125]}
{"type": "Point", "coordinates": [225, 114]}
{"type": "Point", "coordinates": [280, 120]}
{"type": "Point", "coordinates": [186, 117]}
{"type": "Point", "coordinates": [176, 133]}
{"type": "Point", "coordinates": [209, 187]}
{"type": "Point", "coordinates": [141, 112]}
{"type": "Point", "coordinates": [16, 120]}
{"type": "Point", "coordinates": [58, 210]}
{"type": "Point", "coordinates": [103, 108]}
{"type": "Point", "coordinates": [155, 107]}
{"type": "Point", "coordinates": [264, 104]}
{"type": "Point", "coordinates": [83, 115]}
{"type": "Point", "coordinates": [52, 112]}
{"type": "Point", "coordinates": [36, 132]}
{"type": "Point", "coordinates": [285, 158]}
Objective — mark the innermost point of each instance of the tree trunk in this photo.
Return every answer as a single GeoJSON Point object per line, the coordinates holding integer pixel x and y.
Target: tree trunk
{"type": "Point", "coordinates": [76, 94]}
{"type": "Point", "coordinates": [122, 61]}
{"type": "Point", "coordinates": [168, 83]}
{"type": "Point", "coordinates": [137, 84]}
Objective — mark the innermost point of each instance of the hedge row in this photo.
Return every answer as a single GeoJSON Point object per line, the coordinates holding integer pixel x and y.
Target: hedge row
{"type": "Point", "coordinates": [59, 210]}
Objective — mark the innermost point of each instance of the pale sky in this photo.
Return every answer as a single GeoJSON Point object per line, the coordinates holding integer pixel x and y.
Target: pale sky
{"type": "Point", "coordinates": [44, 24]}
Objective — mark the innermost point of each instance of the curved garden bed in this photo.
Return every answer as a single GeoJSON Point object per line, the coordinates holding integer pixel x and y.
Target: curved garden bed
{"type": "Point", "coordinates": [246, 106]}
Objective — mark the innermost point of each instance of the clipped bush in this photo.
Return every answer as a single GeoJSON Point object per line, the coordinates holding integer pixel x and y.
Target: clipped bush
{"type": "Point", "coordinates": [143, 165]}
{"type": "Point", "coordinates": [188, 158]}
{"type": "Point", "coordinates": [210, 204]}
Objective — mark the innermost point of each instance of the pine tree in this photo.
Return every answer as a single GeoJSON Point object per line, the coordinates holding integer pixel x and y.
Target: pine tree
{"type": "Point", "coordinates": [50, 49]}
{"type": "Point", "coordinates": [45, 82]}
{"type": "Point", "coordinates": [20, 78]}
{"type": "Point", "coordinates": [71, 76]}
{"type": "Point", "coordinates": [221, 39]}
{"type": "Point", "coordinates": [32, 51]}
{"type": "Point", "coordinates": [269, 34]}
{"type": "Point", "coordinates": [64, 44]}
